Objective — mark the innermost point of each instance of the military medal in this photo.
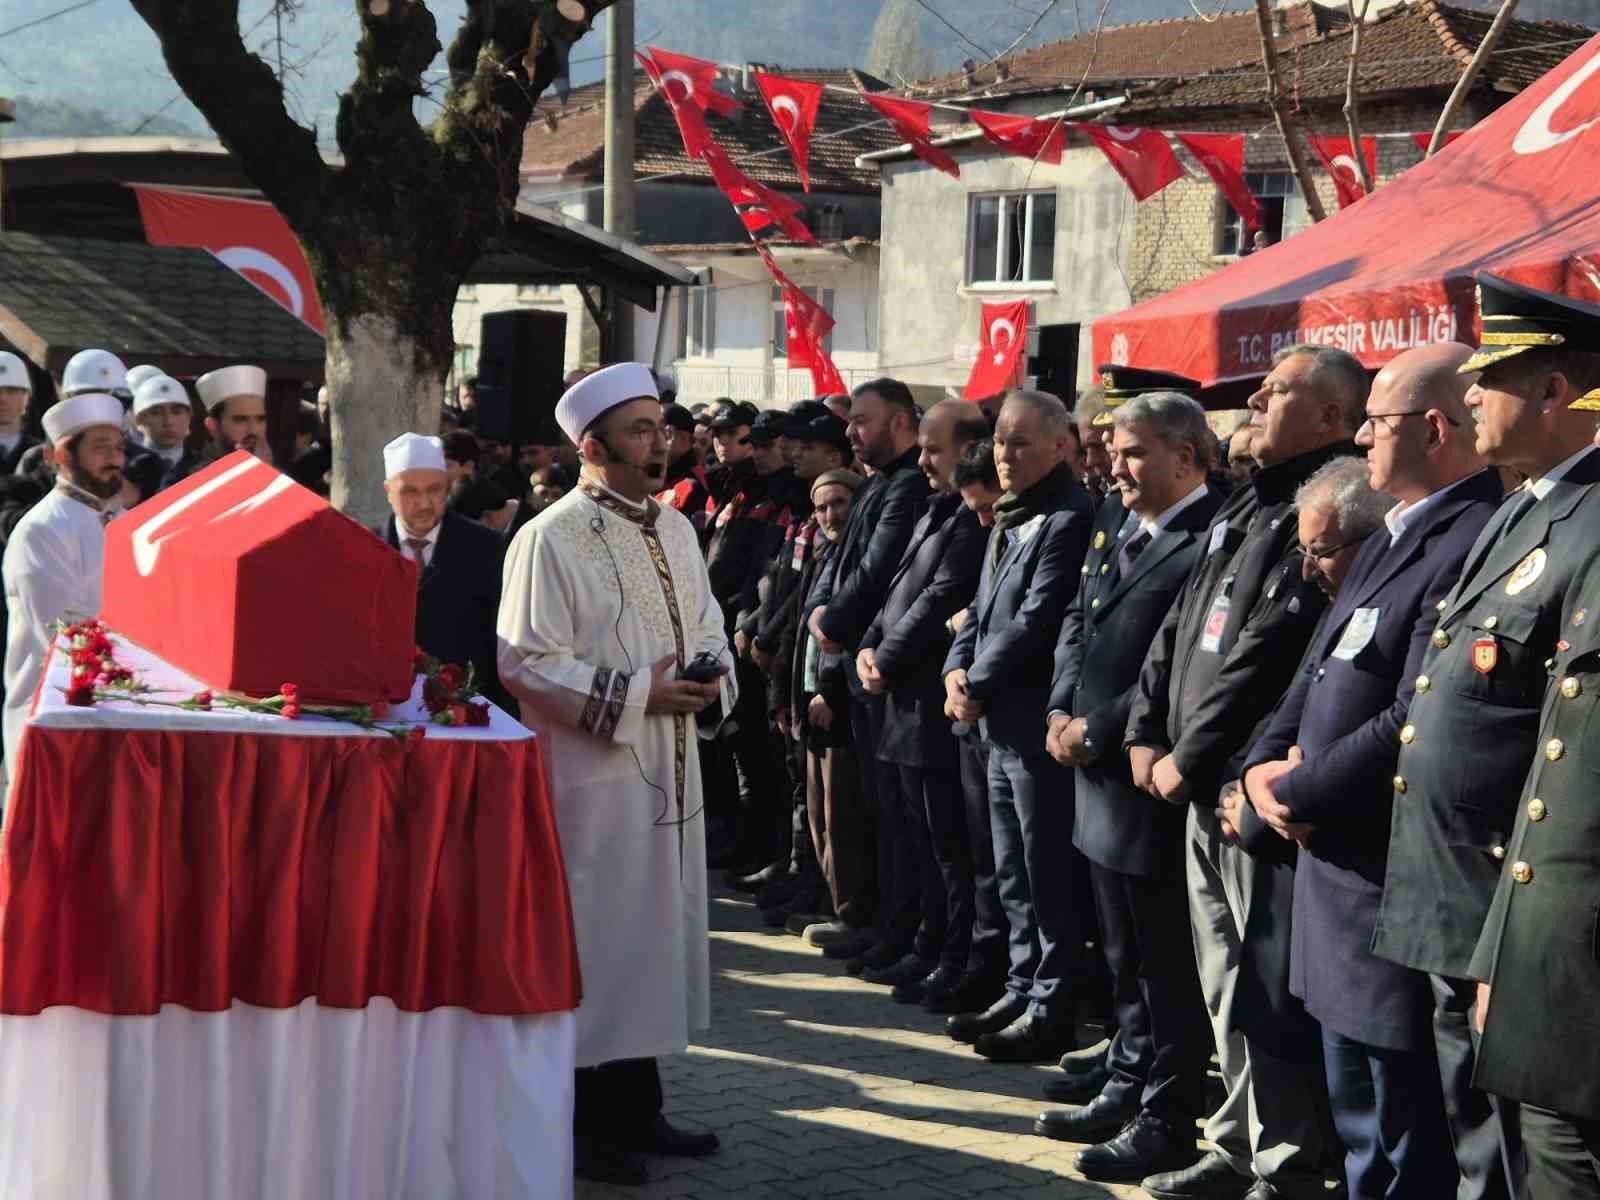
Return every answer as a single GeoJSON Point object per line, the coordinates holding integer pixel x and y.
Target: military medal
{"type": "Point", "coordinates": [1485, 654]}
{"type": "Point", "coordinates": [1100, 540]}
{"type": "Point", "coordinates": [1579, 617]}
{"type": "Point", "coordinates": [1526, 574]}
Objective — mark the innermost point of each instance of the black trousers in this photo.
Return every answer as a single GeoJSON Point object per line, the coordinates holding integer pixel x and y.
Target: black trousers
{"type": "Point", "coordinates": [616, 1096]}
{"type": "Point", "coordinates": [1162, 1040]}
{"type": "Point", "coordinates": [931, 803]}
{"type": "Point", "coordinates": [764, 803]}
{"type": "Point", "coordinates": [1390, 1116]}
{"type": "Point", "coordinates": [1563, 1155]}
{"type": "Point", "coordinates": [987, 951]}
{"type": "Point", "coordinates": [1483, 1128]}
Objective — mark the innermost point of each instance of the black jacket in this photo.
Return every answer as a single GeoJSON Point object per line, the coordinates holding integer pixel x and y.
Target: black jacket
{"type": "Point", "coordinates": [1475, 730]}
{"type": "Point", "coordinates": [1109, 627]}
{"type": "Point", "coordinates": [775, 616]}
{"type": "Point", "coordinates": [882, 516]}
{"type": "Point", "coordinates": [458, 600]}
{"type": "Point", "coordinates": [1346, 711]}
{"type": "Point", "coordinates": [831, 683]}
{"type": "Point", "coordinates": [745, 537]}
{"type": "Point", "coordinates": [10, 460]}
{"type": "Point", "coordinates": [1006, 644]}
{"type": "Point", "coordinates": [1227, 650]}
{"type": "Point", "coordinates": [937, 578]}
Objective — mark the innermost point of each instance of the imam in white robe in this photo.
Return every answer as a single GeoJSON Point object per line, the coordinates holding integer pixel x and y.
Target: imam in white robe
{"type": "Point", "coordinates": [53, 565]}
{"type": "Point", "coordinates": [597, 590]}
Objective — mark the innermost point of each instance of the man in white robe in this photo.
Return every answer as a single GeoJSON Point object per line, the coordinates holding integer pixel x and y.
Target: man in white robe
{"type": "Point", "coordinates": [56, 553]}
{"type": "Point", "coordinates": [605, 601]}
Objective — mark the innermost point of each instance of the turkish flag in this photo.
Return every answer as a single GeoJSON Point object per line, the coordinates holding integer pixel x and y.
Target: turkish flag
{"type": "Point", "coordinates": [691, 120]}
{"type": "Point", "coordinates": [910, 121]}
{"type": "Point", "coordinates": [758, 205]}
{"type": "Point", "coordinates": [691, 81]}
{"type": "Point", "coordinates": [1029, 137]}
{"type": "Point", "coordinates": [1337, 155]}
{"type": "Point", "coordinates": [1424, 140]}
{"type": "Point", "coordinates": [825, 377]}
{"type": "Point", "coordinates": [806, 323]}
{"type": "Point", "coordinates": [1141, 156]}
{"type": "Point", "coordinates": [1000, 357]}
{"type": "Point", "coordinates": [793, 104]}
{"type": "Point", "coordinates": [248, 235]}
{"type": "Point", "coordinates": [1221, 156]}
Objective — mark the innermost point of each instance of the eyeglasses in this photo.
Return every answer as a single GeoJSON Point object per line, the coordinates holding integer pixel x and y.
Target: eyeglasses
{"type": "Point", "coordinates": [1374, 418]}
{"type": "Point", "coordinates": [1330, 551]}
{"type": "Point", "coordinates": [645, 433]}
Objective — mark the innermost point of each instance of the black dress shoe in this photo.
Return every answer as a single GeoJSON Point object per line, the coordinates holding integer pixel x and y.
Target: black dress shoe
{"type": "Point", "coordinates": [971, 994]}
{"type": "Point", "coordinates": [661, 1136]}
{"type": "Point", "coordinates": [906, 969]}
{"type": "Point", "coordinates": [781, 891]}
{"type": "Point", "coordinates": [1145, 1144]}
{"type": "Point", "coordinates": [853, 946]}
{"type": "Point", "coordinates": [969, 1027]}
{"type": "Point", "coordinates": [756, 880]}
{"type": "Point", "coordinates": [876, 956]}
{"type": "Point", "coordinates": [1025, 1040]}
{"type": "Point", "coordinates": [1209, 1179]}
{"type": "Point", "coordinates": [1076, 1089]}
{"type": "Point", "coordinates": [1097, 1121]}
{"type": "Point", "coordinates": [1089, 1058]}
{"type": "Point", "coordinates": [940, 979]}
{"type": "Point", "coordinates": [605, 1163]}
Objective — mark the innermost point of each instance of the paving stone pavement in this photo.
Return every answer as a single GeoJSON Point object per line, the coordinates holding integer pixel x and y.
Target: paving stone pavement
{"type": "Point", "coordinates": [820, 1085]}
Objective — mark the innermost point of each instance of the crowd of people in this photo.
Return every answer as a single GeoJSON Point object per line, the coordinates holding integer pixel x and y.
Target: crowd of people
{"type": "Point", "coordinates": [1268, 750]}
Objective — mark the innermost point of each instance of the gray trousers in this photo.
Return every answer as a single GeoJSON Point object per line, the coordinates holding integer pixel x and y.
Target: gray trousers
{"type": "Point", "coordinates": [1268, 1126]}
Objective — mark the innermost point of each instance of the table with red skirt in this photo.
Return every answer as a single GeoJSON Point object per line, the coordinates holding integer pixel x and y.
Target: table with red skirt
{"type": "Point", "coordinates": [244, 956]}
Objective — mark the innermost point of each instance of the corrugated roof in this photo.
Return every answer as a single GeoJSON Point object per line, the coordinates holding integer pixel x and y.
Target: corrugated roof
{"type": "Point", "coordinates": [167, 303]}
{"type": "Point", "coordinates": [571, 141]}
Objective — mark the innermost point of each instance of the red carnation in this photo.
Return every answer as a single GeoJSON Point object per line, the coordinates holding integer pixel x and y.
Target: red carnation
{"type": "Point", "coordinates": [458, 714]}
{"type": "Point", "coordinates": [417, 733]}
{"type": "Point", "coordinates": [435, 695]}
{"type": "Point", "coordinates": [81, 693]}
{"type": "Point", "coordinates": [202, 699]}
{"type": "Point", "coordinates": [477, 715]}
{"type": "Point", "coordinates": [292, 710]}
{"type": "Point", "coordinates": [290, 693]}
{"type": "Point", "coordinates": [451, 677]}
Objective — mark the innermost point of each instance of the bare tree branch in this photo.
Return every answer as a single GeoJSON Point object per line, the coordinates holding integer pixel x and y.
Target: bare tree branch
{"type": "Point", "coordinates": [1352, 115]}
{"type": "Point", "coordinates": [1280, 114]}
{"type": "Point", "coordinates": [1458, 96]}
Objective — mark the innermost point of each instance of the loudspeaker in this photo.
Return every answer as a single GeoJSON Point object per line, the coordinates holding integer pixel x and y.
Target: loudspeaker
{"type": "Point", "coordinates": [521, 356]}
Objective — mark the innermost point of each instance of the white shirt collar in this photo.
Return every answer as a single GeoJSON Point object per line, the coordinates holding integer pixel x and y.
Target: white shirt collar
{"type": "Point", "coordinates": [1542, 486]}
{"type": "Point", "coordinates": [639, 505]}
{"type": "Point", "coordinates": [170, 457]}
{"type": "Point", "coordinates": [404, 534]}
{"type": "Point", "coordinates": [1402, 516]}
{"type": "Point", "coordinates": [1155, 525]}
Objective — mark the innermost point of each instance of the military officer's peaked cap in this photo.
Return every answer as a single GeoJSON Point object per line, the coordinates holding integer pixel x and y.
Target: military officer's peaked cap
{"type": "Point", "coordinates": [1124, 383]}
{"type": "Point", "coordinates": [1517, 319]}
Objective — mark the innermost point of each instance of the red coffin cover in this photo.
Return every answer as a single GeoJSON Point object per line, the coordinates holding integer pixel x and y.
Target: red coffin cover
{"type": "Point", "coordinates": [246, 580]}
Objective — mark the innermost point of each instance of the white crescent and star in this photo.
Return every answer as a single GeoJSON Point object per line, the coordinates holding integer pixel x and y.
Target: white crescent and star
{"type": "Point", "coordinates": [786, 106]}
{"type": "Point", "coordinates": [1344, 165]}
{"type": "Point", "coordinates": [996, 327]}
{"type": "Point", "coordinates": [1123, 133]}
{"type": "Point", "coordinates": [249, 258]}
{"type": "Point", "coordinates": [680, 78]}
{"type": "Point", "coordinates": [1536, 135]}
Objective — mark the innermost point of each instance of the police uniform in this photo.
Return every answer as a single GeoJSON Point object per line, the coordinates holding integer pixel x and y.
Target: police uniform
{"type": "Point", "coordinates": [1120, 384]}
{"type": "Point", "coordinates": [1473, 728]}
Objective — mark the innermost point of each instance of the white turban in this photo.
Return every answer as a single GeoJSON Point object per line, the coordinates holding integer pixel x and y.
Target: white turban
{"type": "Point", "coordinates": [586, 401]}
{"type": "Point", "coordinates": [412, 452]}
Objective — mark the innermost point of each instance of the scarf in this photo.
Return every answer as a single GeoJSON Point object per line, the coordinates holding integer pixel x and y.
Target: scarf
{"type": "Point", "coordinates": [1012, 511]}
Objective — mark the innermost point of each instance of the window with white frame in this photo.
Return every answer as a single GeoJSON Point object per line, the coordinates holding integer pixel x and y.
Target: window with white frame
{"type": "Point", "coordinates": [1011, 237]}
{"type": "Point", "coordinates": [699, 322]}
{"type": "Point", "coordinates": [1272, 190]}
{"type": "Point", "coordinates": [780, 333]}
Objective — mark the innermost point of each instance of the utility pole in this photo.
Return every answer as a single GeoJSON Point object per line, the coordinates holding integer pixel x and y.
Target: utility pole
{"type": "Point", "coordinates": [619, 210]}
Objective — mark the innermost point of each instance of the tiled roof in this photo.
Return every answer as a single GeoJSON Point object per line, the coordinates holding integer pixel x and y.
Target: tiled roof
{"type": "Point", "coordinates": [571, 141]}
{"type": "Point", "coordinates": [168, 303]}
{"type": "Point", "coordinates": [1418, 47]}
{"type": "Point", "coordinates": [1147, 50]}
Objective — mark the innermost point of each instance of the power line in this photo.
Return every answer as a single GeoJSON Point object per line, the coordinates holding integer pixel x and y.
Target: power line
{"type": "Point", "coordinates": [179, 96]}
{"type": "Point", "coordinates": [61, 12]}
{"type": "Point", "coordinates": [940, 17]}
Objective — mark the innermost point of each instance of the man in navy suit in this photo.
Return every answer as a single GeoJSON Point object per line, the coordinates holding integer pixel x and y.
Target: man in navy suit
{"type": "Point", "coordinates": [1346, 713]}
{"type": "Point", "coordinates": [998, 674]}
{"type": "Point", "coordinates": [1140, 1116]}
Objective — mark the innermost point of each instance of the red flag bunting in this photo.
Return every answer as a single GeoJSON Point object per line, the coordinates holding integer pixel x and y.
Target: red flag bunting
{"type": "Point", "coordinates": [1339, 158]}
{"type": "Point", "coordinates": [1000, 351]}
{"type": "Point", "coordinates": [1028, 137]}
{"type": "Point", "coordinates": [806, 323]}
{"type": "Point", "coordinates": [1141, 156]}
{"type": "Point", "coordinates": [686, 80]}
{"type": "Point", "coordinates": [1221, 156]}
{"type": "Point", "coordinates": [825, 377]}
{"type": "Point", "coordinates": [793, 104]}
{"type": "Point", "coordinates": [910, 121]}
{"type": "Point", "coordinates": [1424, 140]}
{"type": "Point", "coordinates": [691, 120]}
{"type": "Point", "coordinates": [758, 205]}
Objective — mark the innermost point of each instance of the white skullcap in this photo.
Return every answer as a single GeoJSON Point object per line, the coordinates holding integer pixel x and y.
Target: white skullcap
{"type": "Point", "coordinates": [227, 382]}
{"type": "Point", "coordinates": [156, 390]}
{"type": "Point", "coordinates": [94, 371]}
{"type": "Point", "coordinates": [586, 401]}
{"type": "Point", "coordinates": [14, 372]}
{"type": "Point", "coordinates": [80, 412]}
{"type": "Point", "coordinates": [412, 452]}
{"type": "Point", "coordinates": [137, 375]}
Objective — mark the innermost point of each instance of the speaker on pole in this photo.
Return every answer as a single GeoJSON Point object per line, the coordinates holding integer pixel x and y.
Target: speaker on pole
{"type": "Point", "coordinates": [521, 357]}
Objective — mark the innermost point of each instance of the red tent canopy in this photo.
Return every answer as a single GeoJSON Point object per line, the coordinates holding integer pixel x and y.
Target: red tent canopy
{"type": "Point", "coordinates": [1518, 196]}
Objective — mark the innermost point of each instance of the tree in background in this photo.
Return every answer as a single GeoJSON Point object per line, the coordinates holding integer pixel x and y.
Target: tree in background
{"type": "Point", "coordinates": [389, 233]}
{"type": "Point", "coordinates": [896, 50]}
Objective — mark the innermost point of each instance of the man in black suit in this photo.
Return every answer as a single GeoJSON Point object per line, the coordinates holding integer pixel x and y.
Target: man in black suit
{"type": "Point", "coordinates": [1474, 721]}
{"type": "Point", "coordinates": [459, 563]}
{"type": "Point", "coordinates": [998, 675]}
{"type": "Point", "coordinates": [16, 389]}
{"type": "Point", "coordinates": [844, 601]}
{"type": "Point", "coordinates": [1320, 775]}
{"type": "Point", "coordinates": [900, 657]}
{"type": "Point", "coordinates": [1224, 656]}
{"type": "Point", "coordinates": [1142, 1118]}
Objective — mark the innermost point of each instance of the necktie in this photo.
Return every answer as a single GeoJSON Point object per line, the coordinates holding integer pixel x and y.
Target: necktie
{"type": "Point", "coordinates": [1131, 549]}
{"type": "Point", "coordinates": [419, 551]}
{"type": "Point", "coordinates": [1521, 507]}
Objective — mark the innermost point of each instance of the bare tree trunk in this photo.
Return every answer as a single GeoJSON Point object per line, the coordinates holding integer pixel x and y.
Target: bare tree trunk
{"type": "Point", "coordinates": [1352, 115]}
{"type": "Point", "coordinates": [1458, 97]}
{"type": "Point", "coordinates": [1280, 114]}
